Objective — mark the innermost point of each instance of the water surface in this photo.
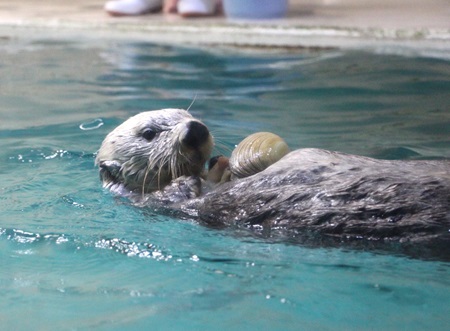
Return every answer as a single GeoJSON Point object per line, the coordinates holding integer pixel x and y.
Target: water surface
{"type": "Point", "coordinates": [75, 257]}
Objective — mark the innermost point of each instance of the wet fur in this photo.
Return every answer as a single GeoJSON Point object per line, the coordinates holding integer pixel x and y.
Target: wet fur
{"type": "Point", "coordinates": [130, 163]}
{"type": "Point", "coordinates": [316, 197]}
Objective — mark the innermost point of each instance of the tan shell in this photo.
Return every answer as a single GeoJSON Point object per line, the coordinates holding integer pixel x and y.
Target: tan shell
{"type": "Point", "coordinates": [256, 152]}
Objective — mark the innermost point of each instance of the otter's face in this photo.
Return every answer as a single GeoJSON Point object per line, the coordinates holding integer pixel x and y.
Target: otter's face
{"type": "Point", "coordinates": [149, 150]}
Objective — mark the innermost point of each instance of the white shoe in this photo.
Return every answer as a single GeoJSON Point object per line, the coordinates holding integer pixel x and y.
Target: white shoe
{"type": "Point", "coordinates": [189, 8]}
{"type": "Point", "coordinates": [132, 7]}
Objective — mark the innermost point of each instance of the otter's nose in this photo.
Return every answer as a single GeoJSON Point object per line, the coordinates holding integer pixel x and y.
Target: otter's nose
{"type": "Point", "coordinates": [197, 134]}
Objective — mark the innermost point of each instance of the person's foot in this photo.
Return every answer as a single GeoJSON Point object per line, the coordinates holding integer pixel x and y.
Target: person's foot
{"type": "Point", "coordinates": [132, 7]}
{"type": "Point", "coordinates": [193, 8]}
{"type": "Point", "coordinates": [170, 6]}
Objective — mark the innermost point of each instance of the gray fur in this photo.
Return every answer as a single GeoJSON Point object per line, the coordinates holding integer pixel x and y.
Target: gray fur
{"type": "Point", "coordinates": [130, 163]}
{"type": "Point", "coordinates": [338, 195]}
{"type": "Point", "coordinates": [317, 197]}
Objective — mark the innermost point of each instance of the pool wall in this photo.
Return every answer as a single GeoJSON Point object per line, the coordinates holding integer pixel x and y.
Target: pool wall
{"type": "Point", "coordinates": [416, 27]}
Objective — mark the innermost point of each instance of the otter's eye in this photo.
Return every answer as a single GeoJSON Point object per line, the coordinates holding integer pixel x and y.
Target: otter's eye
{"type": "Point", "coordinates": [148, 134]}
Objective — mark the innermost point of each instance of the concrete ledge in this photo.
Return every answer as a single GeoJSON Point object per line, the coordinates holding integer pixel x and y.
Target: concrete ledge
{"type": "Point", "coordinates": [416, 27]}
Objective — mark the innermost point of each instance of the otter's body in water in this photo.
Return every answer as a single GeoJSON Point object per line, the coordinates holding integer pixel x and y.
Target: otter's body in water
{"type": "Point", "coordinates": [310, 195]}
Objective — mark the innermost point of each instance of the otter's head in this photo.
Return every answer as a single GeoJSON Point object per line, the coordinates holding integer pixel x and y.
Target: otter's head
{"type": "Point", "coordinates": [149, 150]}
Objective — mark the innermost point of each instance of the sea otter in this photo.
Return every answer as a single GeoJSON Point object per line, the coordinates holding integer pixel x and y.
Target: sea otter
{"type": "Point", "coordinates": [147, 152]}
{"type": "Point", "coordinates": [309, 195]}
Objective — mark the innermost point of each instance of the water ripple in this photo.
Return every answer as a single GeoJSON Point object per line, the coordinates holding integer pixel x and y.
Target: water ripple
{"type": "Point", "coordinates": [25, 237]}
{"type": "Point", "coordinates": [130, 249]}
{"type": "Point", "coordinates": [144, 250]}
{"type": "Point", "coordinates": [92, 125]}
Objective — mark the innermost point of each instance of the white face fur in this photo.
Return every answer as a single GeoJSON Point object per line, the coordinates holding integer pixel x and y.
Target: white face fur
{"type": "Point", "coordinates": [150, 149]}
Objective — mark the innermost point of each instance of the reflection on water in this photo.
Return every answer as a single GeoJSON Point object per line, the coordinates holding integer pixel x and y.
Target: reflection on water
{"type": "Point", "coordinates": [75, 257]}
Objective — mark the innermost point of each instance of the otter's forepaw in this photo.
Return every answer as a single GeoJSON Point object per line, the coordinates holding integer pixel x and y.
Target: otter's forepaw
{"type": "Point", "coordinates": [190, 187]}
{"type": "Point", "coordinates": [180, 189]}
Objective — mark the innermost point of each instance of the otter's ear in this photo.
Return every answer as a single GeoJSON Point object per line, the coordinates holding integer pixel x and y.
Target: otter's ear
{"type": "Point", "coordinates": [109, 171]}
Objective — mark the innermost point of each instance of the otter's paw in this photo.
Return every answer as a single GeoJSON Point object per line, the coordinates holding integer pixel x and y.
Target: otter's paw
{"type": "Point", "coordinates": [180, 189]}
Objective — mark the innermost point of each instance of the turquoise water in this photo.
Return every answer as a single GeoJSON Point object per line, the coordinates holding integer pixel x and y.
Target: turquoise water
{"type": "Point", "coordinates": [74, 257]}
